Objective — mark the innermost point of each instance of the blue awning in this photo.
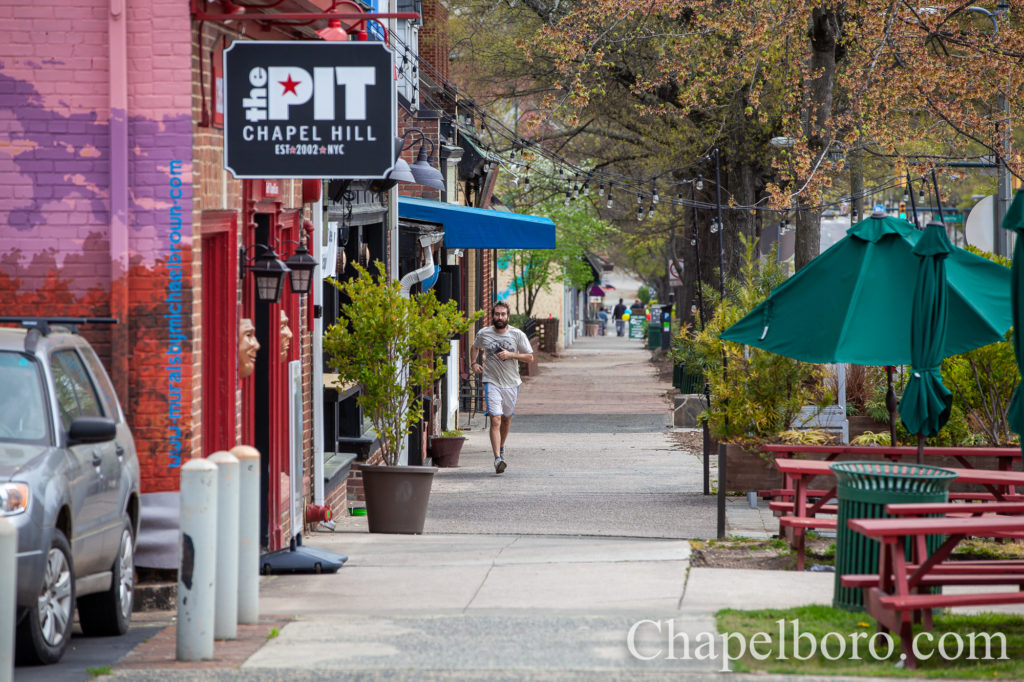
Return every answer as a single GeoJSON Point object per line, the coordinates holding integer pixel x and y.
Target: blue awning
{"type": "Point", "coordinates": [466, 227]}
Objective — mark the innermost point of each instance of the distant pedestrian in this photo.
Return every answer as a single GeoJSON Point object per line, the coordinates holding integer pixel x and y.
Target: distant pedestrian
{"type": "Point", "coordinates": [602, 315]}
{"type": "Point", "coordinates": [637, 309]}
{"type": "Point", "coordinates": [503, 347]}
{"type": "Point", "coordinates": [617, 313]}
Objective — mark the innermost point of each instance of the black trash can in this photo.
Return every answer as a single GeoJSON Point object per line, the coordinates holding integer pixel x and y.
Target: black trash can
{"type": "Point", "coordinates": [863, 490]}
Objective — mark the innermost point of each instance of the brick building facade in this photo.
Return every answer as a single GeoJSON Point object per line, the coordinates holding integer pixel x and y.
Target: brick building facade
{"type": "Point", "coordinates": [115, 202]}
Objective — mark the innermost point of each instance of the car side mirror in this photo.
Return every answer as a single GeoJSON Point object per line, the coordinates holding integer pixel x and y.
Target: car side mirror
{"type": "Point", "coordinates": [91, 430]}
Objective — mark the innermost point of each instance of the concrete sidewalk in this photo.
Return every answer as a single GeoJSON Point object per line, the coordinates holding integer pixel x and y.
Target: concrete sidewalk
{"type": "Point", "coordinates": [496, 607]}
{"type": "Point", "coordinates": [539, 573]}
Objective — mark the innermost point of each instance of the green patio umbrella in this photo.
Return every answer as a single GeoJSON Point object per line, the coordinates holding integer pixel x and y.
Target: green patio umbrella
{"type": "Point", "coordinates": [926, 402]}
{"type": "Point", "coordinates": [1014, 220]}
{"type": "Point", "coordinates": [853, 303]}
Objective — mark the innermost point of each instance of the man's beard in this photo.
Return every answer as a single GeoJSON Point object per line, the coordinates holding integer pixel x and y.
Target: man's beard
{"type": "Point", "coordinates": [500, 324]}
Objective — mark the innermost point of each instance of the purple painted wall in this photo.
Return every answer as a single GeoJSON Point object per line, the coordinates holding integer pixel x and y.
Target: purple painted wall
{"type": "Point", "coordinates": [96, 190]}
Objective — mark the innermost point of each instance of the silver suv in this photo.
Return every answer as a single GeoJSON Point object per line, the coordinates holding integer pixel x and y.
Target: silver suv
{"type": "Point", "coordinates": [69, 482]}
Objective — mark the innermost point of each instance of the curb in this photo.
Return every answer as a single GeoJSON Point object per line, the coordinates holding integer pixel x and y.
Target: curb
{"type": "Point", "coordinates": [155, 597]}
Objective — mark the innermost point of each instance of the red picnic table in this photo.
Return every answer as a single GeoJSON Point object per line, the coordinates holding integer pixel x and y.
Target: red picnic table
{"type": "Point", "coordinates": [1004, 456]}
{"type": "Point", "coordinates": [901, 592]}
{"type": "Point", "coordinates": [797, 474]}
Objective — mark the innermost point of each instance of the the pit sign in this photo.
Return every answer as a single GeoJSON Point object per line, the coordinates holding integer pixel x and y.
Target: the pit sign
{"type": "Point", "coordinates": [309, 109]}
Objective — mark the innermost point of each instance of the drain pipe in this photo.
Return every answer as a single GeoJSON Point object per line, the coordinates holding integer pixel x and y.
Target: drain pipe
{"type": "Point", "coordinates": [427, 273]}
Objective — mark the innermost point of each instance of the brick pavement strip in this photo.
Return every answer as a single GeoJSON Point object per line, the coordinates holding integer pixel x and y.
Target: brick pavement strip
{"type": "Point", "coordinates": [158, 652]}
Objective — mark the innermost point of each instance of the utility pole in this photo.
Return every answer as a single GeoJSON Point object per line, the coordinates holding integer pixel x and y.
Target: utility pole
{"type": "Point", "coordinates": [722, 465]}
{"type": "Point", "coordinates": [1004, 186]}
{"type": "Point", "coordinates": [1004, 127]}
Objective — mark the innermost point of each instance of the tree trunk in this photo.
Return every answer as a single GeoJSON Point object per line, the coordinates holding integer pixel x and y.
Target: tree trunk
{"type": "Point", "coordinates": [825, 31]}
{"type": "Point", "coordinates": [744, 183]}
{"type": "Point", "coordinates": [808, 235]}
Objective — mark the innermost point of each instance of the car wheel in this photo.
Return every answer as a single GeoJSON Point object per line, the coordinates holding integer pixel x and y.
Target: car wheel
{"type": "Point", "coordinates": [45, 631]}
{"type": "Point", "coordinates": [110, 613]}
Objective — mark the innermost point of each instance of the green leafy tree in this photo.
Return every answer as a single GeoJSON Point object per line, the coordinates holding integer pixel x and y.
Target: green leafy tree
{"type": "Point", "coordinates": [756, 394]}
{"type": "Point", "coordinates": [579, 231]}
{"type": "Point", "coordinates": [649, 89]}
{"type": "Point", "coordinates": [392, 347]}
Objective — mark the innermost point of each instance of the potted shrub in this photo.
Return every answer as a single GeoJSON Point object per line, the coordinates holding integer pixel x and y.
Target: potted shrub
{"type": "Point", "coordinates": [755, 394]}
{"type": "Point", "coordinates": [445, 449]}
{"type": "Point", "coordinates": [392, 347]}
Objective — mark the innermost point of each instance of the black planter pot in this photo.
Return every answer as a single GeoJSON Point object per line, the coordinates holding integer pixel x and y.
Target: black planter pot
{"type": "Point", "coordinates": [397, 497]}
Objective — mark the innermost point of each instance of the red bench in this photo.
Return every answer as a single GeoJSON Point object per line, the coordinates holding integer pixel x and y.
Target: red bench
{"type": "Point", "coordinates": [787, 508]}
{"type": "Point", "coordinates": [936, 578]}
{"type": "Point", "coordinates": [954, 508]}
{"type": "Point", "coordinates": [895, 598]}
{"type": "Point", "coordinates": [798, 473]}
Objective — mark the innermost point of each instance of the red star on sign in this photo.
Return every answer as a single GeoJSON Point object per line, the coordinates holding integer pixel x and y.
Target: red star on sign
{"type": "Point", "coordinates": [323, 150]}
{"type": "Point", "coordinates": [289, 85]}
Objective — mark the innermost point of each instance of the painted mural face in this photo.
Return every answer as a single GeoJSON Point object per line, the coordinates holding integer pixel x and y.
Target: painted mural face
{"type": "Point", "coordinates": [286, 336]}
{"type": "Point", "coordinates": [248, 347]}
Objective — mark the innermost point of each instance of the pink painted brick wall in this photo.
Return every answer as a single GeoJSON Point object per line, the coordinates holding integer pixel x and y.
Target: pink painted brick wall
{"type": "Point", "coordinates": [56, 132]}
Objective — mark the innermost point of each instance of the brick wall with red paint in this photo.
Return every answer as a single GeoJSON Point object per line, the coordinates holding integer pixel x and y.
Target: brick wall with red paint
{"type": "Point", "coordinates": [63, 251]}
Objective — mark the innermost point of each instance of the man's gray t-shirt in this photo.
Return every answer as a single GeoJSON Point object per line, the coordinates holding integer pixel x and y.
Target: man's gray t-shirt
{"type": "Point", "coordinates": [501, 372]}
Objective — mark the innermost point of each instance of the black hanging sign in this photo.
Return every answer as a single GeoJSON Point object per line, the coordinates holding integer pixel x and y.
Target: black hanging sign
{"type": "Point", "coordinates": [309, 109]}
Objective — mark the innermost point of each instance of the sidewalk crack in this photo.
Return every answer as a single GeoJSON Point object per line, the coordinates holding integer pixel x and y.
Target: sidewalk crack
{"type": "Point", "coordinates": [479, 587]}
{"type": "Point", "coordinates": [686, 578]}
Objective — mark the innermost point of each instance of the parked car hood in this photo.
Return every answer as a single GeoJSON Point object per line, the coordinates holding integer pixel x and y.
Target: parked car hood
{"type": "Point", "coordinates": [17, 456]}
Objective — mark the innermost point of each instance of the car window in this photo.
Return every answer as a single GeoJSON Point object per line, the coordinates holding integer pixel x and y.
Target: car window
{"type": "Point", "coordinates": [23, 412]}
{"type": "Point", "coordinates": [76, 396]}
{"type": "Point", "coordinates": [106, 390]}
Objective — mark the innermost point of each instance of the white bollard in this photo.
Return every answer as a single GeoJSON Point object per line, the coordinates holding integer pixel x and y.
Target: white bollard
{"type": "Point", "coordinates": [8, 580]}
{"type": "Point", "coordinates": [198, 573]}
{"type": "Point", "coordinates": [225, 622]}
{"type": "Point", "coordinates": [248, 533]}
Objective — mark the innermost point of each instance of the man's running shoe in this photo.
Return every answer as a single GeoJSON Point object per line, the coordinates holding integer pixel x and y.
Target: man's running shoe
{"type": "Point", "coordinates": [499, 465]}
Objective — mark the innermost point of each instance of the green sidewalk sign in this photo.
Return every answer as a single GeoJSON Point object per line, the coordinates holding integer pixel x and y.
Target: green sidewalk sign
{"type": "Point", "coordinates": [636, 327]}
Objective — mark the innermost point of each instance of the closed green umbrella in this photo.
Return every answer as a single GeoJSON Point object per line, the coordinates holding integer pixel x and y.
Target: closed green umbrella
{"type": "Point", "coordinates": [1014, 220]}
{"type": "Point", "coordinates": [926, 402]}
{"type": "Point", "coordinates": [853, 303]}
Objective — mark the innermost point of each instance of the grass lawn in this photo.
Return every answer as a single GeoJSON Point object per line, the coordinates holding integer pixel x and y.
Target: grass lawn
{"type": "Point", "coordinates": [844, 629]}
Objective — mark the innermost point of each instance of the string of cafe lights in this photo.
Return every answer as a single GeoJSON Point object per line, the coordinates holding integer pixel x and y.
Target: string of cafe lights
{"type": "Point", "coordinates": [579, 181]}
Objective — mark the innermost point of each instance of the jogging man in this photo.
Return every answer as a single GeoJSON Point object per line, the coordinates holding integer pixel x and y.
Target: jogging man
{"type": "Point", "coordinates": [503, 347]}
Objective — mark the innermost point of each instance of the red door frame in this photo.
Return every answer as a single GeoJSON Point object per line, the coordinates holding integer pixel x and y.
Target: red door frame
{"type": "Point", "coordinates": [289, 224]}
{"type": "Point", "coordinates": [259, 200]}
{"type": "Point", "coordinates": [219, 233]}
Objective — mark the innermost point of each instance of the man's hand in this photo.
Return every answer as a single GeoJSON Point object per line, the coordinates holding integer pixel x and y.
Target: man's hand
{"type": "Point", "coordinates": [477, 368]}
{"type": "Point", "coordinates": [505, 355]}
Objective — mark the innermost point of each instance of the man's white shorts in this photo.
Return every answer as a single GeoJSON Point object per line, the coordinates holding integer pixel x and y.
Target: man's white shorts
{"type": "Point", "coordinates": [500, 401]}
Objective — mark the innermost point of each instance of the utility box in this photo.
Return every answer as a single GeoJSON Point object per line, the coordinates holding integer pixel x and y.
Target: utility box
{"type": "Point", "coordinates": [654, 328]}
